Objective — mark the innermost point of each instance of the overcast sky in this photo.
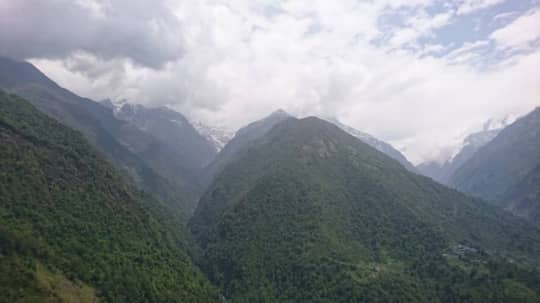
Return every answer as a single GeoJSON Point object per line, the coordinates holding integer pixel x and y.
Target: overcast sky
{"type": "Point", "coordinates": [419, 74]}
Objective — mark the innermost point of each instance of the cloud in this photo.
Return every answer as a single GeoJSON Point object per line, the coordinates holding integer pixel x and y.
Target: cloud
{"type": "Point", "coordinates": [235, 61]}
{"type": "Point", "coordinates": [521, 33]}
{"type": "Point", "coordinates": [470, 6]}
{"type": "Point", "coordinates": [419, 25]}
{"type": "Point", "coordinates": [148, 34]}
{"type": "Point", "coordinates": [468, 52]}
{"type": "Point", "coordinates": [504, 16]}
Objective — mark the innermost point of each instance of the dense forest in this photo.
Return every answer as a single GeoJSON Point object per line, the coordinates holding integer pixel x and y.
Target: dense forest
{"type": "Point", "coordinates": [310, 214]}
{"type": "Point", "coordinates": [73, 229]}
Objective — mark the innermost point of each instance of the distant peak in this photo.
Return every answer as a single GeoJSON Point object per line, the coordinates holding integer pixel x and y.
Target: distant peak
{"type": "Point", "coordinates": [280, 113]}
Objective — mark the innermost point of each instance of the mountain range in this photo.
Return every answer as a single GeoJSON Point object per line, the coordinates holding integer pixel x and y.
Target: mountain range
{"type": "Point", "coordinates": [159, 166]}
{"type": "Point", "coordinates": [109, 202]}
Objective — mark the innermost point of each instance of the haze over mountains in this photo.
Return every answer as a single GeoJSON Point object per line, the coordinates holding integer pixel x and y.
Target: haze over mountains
{"type": "Point", "coordinates": [505, 171]}
{"type": "Point", "coordinates": [470, 145]}
{"type": "Point", "coordinates": [127, 203]}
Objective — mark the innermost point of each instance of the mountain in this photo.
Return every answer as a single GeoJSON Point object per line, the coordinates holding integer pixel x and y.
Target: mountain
{"type": "Point", "coordinates": [505, 171]}
{"type": "Point", "coordinates": [72, 229]}
{"type": "Point", "coordinates": [471, 144]}
{"type": "Point", "coordinates": [524, 198]}
{"type": "Point", "coordinates": [218, 137]}
{"type": "Point", "coordinates": [381, 146]}
{"type": "Point", "coordinates": [253, 131]}
{"type": "Point", "coordinates": [136, 153]}
{"type": "Point", "coordinates": [432, 169]}
{"type": "Point", "coordinates": [309, 213]}
{"type": "Point", "coordinates": [243, 138]}
{"type": "Point", "coordinates": [442, 173]}
{"type": "Point", "coordinates": [192, 152]}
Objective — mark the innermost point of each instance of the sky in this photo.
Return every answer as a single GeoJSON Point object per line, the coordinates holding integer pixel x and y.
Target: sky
{"type": "Point", "coordinates": [419, 74]}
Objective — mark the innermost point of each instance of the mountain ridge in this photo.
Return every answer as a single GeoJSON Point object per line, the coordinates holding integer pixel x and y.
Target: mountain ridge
{"type": "Point", "coordinates": [504, 170]}
{"type": "Point", "coordinates": [443, 172]}
{"type": "Point", "coordinates": [380, 145]}
{"type": "Point", "coordinates": [309, 213]}
{"type": "Point", "coordinates": [137, 154]}
{"type": "Point", "coordinates": [192, 152]}
{"type": "Point", "coordinates": [254, 130]}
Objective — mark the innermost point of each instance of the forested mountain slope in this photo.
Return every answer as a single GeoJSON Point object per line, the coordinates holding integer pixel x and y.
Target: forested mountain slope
{"type": "Point", "coordinates": [72, 229]}
{"type": "Point", "coordinates": [308, 213]}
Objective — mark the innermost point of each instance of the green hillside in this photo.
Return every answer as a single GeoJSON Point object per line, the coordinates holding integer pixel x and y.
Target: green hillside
{"type": "Point", "coordinates": [71, 228]}
{"type": "Point", "coordinates": [309, 213]}
{"type": "Point", "coordinates": [243, 138]}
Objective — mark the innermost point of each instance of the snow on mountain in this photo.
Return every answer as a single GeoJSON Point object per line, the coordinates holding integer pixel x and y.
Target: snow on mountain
{"type": "Point", "coordinates": [381, 146]}
{"type": "Point", "coordinates": [217, 136]}
{"type": "Point", "coordinates": [442, 172]}
{"type": "Point", "coordinates": [490, 130]}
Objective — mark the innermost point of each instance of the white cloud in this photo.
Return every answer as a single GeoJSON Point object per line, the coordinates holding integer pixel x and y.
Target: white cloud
{"type": "Point", "coordinates": [470, 6]}
{"type": "Point", "coordinates": [243, 59]}
{"type": "Point", "coordinates": [419, 25]}
{"type": "Point", "coordinates": [504, 16]}
{"type": "Point", "coordinates": [520, 33]}
{"type": "Point", "coordinates": [468, 52]}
